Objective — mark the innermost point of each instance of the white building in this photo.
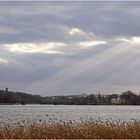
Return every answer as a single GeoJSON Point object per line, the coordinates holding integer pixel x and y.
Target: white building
{"type": "Point", "coordinates": [115, 101]}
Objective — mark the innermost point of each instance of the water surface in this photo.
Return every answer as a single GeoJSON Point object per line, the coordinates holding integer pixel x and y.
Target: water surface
{"type": "Point", "coordinates": [11, 114]}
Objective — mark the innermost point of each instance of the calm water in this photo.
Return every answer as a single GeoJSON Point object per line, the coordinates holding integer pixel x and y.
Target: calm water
{"type": "Point", "coordinates": [12, 114]}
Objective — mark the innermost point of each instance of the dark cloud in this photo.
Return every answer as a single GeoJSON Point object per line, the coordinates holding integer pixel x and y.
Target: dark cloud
{"type": "Point", "coordinates": [35, 21]}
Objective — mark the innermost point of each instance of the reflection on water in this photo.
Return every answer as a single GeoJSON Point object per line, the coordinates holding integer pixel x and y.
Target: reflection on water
{"type": "Point", "coordinates": [12, 114]}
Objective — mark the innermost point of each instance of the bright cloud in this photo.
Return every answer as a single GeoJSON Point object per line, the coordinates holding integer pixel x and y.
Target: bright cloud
{"type": "Point", "coordinates": [76, 31]}
{"type": "Point", "coordinates": [86, 44]}
{"type": "Point", "coordinates": [3, 61]}
{"type": "Point", "coordinates": [51, 47]}
{"type": "Point", "coordinates": [135, 40]}
{"type": "Point", "coordinates": [131, 43]}
{"type": "Point", "coordinates": [131, 40]}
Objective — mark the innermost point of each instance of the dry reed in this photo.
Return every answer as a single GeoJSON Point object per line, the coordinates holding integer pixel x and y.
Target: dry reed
{"type": "Point", "coordinates": [90, 129]}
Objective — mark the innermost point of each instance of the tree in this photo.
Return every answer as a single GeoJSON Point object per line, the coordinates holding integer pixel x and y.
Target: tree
{"type": "Point", "coordinates": [128, 98]}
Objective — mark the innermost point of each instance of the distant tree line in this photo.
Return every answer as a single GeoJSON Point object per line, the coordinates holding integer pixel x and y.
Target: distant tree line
{"type": "Point", "coordinates": [18, 98]}
{"type": "Point", "coordinates": [126, 98]}
{"type": "Point", "coordinates": [130, 98]}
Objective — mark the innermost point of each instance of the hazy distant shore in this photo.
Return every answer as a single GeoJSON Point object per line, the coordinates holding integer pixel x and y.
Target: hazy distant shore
{"type": "Point", "coordinates": [125, 98]}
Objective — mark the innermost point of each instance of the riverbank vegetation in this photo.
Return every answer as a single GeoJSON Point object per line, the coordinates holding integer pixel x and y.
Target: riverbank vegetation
{"type": "Point", "coordinates": [90, 129]}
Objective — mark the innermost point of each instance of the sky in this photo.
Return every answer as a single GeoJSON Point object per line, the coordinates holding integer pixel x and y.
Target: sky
{"type": "Point", "coordinates": [68, 48]}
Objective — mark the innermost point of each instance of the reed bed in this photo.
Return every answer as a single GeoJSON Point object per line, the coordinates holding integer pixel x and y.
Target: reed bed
{"type": "Point", "coordinates": [90, 129]}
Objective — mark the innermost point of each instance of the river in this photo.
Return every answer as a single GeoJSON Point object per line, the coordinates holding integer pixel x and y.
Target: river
{"type": "Point", "coordinates": [12, 114]}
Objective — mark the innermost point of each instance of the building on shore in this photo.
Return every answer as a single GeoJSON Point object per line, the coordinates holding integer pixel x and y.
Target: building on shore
{"type": "Point", "coordinates": [115, 99]}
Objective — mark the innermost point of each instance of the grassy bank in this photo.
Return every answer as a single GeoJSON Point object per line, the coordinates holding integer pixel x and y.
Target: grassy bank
{"type": "Point", "coordinates": [90, 129]}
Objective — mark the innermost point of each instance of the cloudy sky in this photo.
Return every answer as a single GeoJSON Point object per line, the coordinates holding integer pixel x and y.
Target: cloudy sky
{"type": "Point", "coordinates": [63, 48]}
